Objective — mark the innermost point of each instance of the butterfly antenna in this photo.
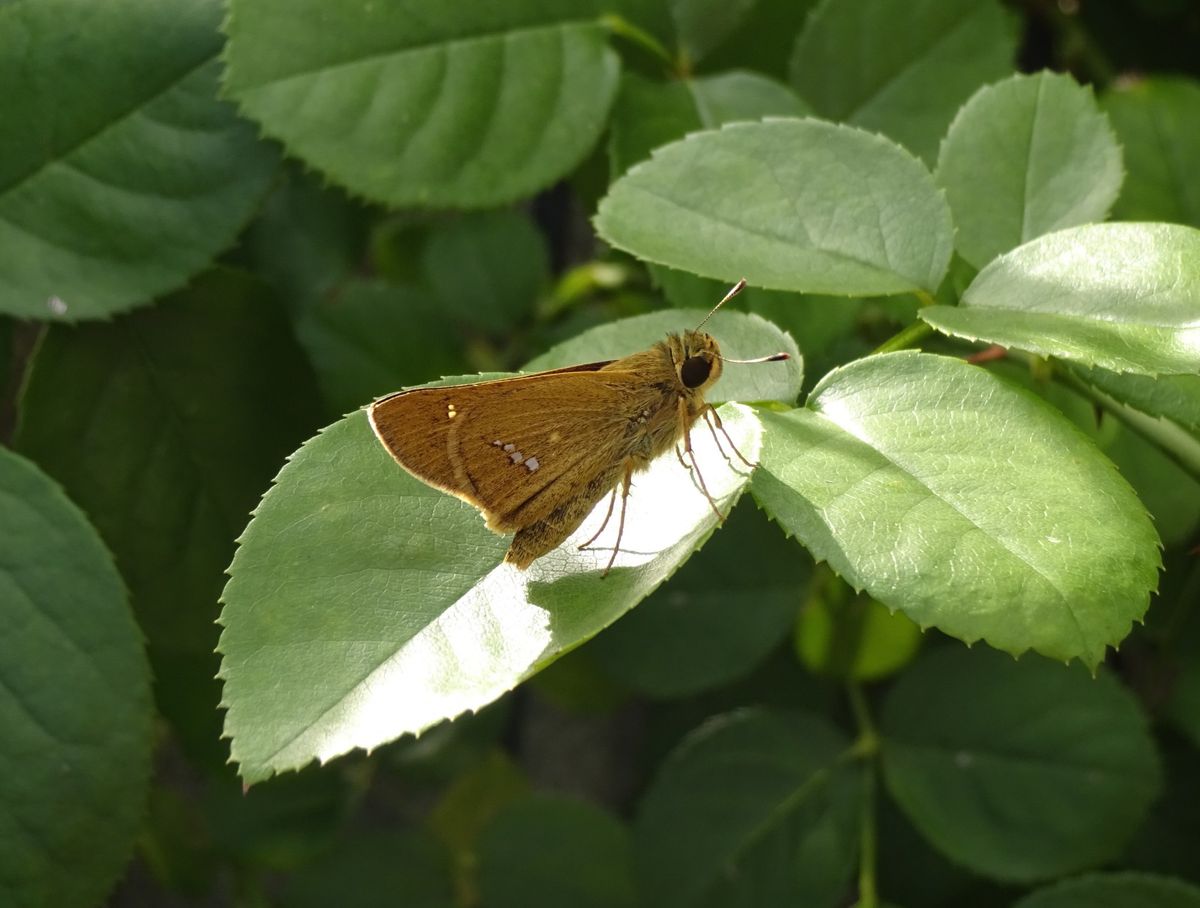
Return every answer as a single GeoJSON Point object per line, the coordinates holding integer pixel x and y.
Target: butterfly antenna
{"type": "Point", "coordinates": [733, 291]}
{"type": "Point", "coordinates": [773, 358]}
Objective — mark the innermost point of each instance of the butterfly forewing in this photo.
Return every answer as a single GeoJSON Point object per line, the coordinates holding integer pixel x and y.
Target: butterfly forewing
{"type": "Point", "coordinates": [504, 446]}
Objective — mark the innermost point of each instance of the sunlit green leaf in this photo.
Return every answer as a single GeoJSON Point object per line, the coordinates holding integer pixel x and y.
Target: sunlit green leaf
{"type": "Point", "coordinates": [412, 103]}
{"type": "Point", "coordinates": [122, 175]}
{"type": "Point", "coordinates": [753, 808]}
{"type": "Point", "coordinates": [789, 205]}
{"type": "Point", "coordinates": [967, 503]}
{"type": "Point", "coordinates": [1018, 770]}
{"type": "Point", "coordinates": [902, 67]}
{"type": "Point", "coordinates": [74, 704]}
{"type": "Point", "coordinates": [364, 604]}
{"type": "Point", "coordinates": [1027, 156]}
{"type": "Point", "coordinates": [1158, 123]}
{"type": "Point", "coordinates": [1122, 296]}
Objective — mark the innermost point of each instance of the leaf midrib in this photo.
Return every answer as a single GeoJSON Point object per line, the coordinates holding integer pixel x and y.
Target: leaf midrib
{"type": "Point", "coordinates": [119, 117]}
{"type": "Point", "coordinates": [982, 756]}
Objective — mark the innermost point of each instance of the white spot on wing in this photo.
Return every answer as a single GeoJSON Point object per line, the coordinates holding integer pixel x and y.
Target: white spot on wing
{"type": "Point", "coordinates": [532, 463]}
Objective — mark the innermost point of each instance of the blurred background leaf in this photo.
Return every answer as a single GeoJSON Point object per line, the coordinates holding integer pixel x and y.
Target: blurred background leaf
{"type": "Point", "coordinates": [177, 415]}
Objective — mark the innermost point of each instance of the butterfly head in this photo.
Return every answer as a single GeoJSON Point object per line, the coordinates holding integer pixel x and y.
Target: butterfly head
{"type": "Point", "coordinates": [697, 359]}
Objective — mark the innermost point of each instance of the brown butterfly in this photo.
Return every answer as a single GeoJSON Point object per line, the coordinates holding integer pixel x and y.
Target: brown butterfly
{"type": "Point", "coordinates": [537, 452]}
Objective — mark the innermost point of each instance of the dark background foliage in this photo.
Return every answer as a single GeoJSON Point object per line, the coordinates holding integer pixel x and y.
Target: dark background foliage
{"type": "Point", "coordinates": [756, 732]}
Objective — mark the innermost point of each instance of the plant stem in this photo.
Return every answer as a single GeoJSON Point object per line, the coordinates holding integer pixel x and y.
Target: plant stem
{"type": "Point", "coordinates": [643, 39]}
{"type": "Point", "coordinates": [1177, 443]}
{"type": "Point", "coordinates": [867, 745]}
{"type": "Point", "coordinates": [868, 895]}
{"type": "Point", "coordinates": [905, 338]}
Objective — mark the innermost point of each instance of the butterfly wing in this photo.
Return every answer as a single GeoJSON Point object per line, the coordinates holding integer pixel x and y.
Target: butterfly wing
{"type": "Point", "coordinates": [515, 448]}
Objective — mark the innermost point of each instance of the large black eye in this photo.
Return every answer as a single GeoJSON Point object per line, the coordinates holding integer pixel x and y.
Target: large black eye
{"type": "Point", "coordinates": [694, 371]}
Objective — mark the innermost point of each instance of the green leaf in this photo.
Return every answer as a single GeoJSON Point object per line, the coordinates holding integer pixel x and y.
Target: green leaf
{"type": "Point", "coordinates": [1115, 890]}
{"type": "Point", "coordinates": [1170, 492]}
{"type": "Point", "coordinates": [368, 867]}
{"type": "Point", "coordinates": [1182, 706]}
{"type": "Point", "coordinates": [823, 326]}
{"type": "Point", "coordinates": [1121, 296]}
{"type": "Point", "coordinates": [967, 503]}
{"type": "Point", "coordinates": [546, 852]}
{"type": "Point", "coordinates": [281, 826]}
{"type": "Point", "coordinates": [764, 39]}
{"type": "Point", "coordinates": [165, 424]}
{"type": "Point", "coordinates": [409, 569]}
{"type": "Point", "coordinates": [1168, 397]}
{"type": "Point", "coordinates": [1008, 779]}
{"type": "Point", "coordinates": [1169, 840]}
{"type": "Point", "coordinates": [373, 338]}
{"type": "Point", "coordinates": [412, 103]}
{"type": "Point", "coordinates": [717, 619]}
{"type": "Point", "coordinates": [1024, 157]}
{"type": "Point", "coordinates": [789, 205]}
{"type": "Point", "coordinates": [354, 577]}
{"type": "Point", "coordinates": [1151, 452]}
{"type": "Point", "coordinates": [489, 268]}
{"type": "Point", "coordinates": [75, 703]}
{"type": "Point", "coordinates": [138, 178]}
{"type": "Point", "coordinates": [851, 636]}
{"type": "Point", "coordinates": [741, 336]}
{"type": "Point", "coordinates": [307, 240]}
{"type": "Point", "coordinates": [649, 114]}
{"type": "Point", "coordinates": [476, 796]}
{"type": "Point", "coordinates": [1158, 123]}
{"type": "Point", "coordinates": [701, 25]}
{"type": "Point", "coordinates": [1158, 447]}
{"type": "Point", "coordinates": [898, 66]}
{"type": "Point", "coordinates": [753, 808]}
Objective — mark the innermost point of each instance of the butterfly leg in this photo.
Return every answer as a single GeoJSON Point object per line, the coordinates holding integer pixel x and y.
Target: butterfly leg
{"type": "Point", "coordinates": [612, 499]}
{"type": "Point", "coordinates": [715, 424]}
{"type": "Point", "coordinates": [621, 521]}
{"type": "Point", "coordinates": [687, 448]}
